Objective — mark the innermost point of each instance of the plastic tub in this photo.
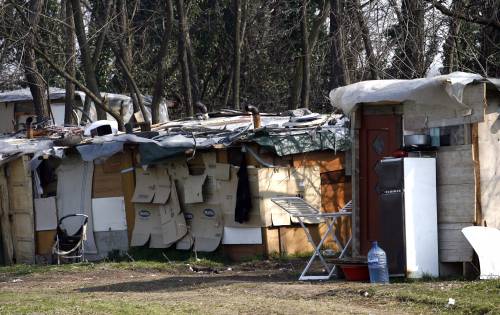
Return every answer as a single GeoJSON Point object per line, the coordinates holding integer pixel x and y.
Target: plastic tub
{"type": "Point", "coordinates": [355, 272]}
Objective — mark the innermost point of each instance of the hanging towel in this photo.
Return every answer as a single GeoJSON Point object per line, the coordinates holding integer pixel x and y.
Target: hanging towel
{"type": "Point", "coordinates": [243, 197]}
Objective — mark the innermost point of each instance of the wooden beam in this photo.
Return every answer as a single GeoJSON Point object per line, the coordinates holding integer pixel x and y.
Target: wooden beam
{"type": "Point", "coordinates": [477, 174]}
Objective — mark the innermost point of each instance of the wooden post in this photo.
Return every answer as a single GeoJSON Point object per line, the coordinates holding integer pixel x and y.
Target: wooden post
{"type": "Point", "coordinates": [128, 186]}
{"type": "Point", "coordinates": [477, 176]}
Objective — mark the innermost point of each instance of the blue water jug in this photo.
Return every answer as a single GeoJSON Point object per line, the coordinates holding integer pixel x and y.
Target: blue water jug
{"type": "Point", "coordinates": [377, 264]}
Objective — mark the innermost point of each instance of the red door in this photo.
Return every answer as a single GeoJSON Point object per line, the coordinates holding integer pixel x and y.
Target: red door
{"type": "Point", "coordinates": [379, 137]}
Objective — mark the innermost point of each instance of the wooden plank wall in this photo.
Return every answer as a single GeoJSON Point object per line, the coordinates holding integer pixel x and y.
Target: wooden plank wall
{"type": "Point", "coordinates": [456, 201]}
{"type": "Point", "coordinates": [21, 209]}
{"type": "Point", "coordinates": [335, 192]}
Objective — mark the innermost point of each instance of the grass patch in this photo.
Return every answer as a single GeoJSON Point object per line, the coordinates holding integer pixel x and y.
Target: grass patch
{"type": "Point", "coordinates": [10, 303]}
{"type": "Point", "coordinates": [475, 297]}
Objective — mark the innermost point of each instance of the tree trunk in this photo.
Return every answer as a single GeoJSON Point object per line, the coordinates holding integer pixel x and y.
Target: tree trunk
{"type": "Point", "coordinates": [183, 57]}
{"type": "Point", "coordinates": [88, 65]}
{"type": "Point", "coordinates": [33, 77]}
{"type": "Point", "coordinates": [297, 83]}
{"type": "Point", "coordinates": [70, 65]}
{"type": "Point", "coordinates": [409, 62]}
{"type": "Point", "coordinates": [365, 34]}
{"type": "Point", "coordinates": [98, 101]}
{"type": "Point", "coordinates": [236, 54]}
{"type": "Point", "coordinates": [123, 54]}
{"type": "Point", "coordinates": [338, 71]}
{"type": "Point", "coordinates": [306, 63]}
{"type": "Point", "coordinates": [162, 65]}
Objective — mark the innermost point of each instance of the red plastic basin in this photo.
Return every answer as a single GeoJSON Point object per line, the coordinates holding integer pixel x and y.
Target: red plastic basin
{"type": "Point", "coordinates": [356, 272]}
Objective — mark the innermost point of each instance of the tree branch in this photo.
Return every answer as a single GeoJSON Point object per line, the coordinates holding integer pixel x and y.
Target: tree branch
{"type": "Point", "coordinates": [473, 19]}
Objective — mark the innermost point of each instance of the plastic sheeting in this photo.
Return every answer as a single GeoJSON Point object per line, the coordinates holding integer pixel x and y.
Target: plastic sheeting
{"type": "Point", "coordinates": [314, 140]}
{"type": "Point", "coordinates": [436, 91]}
{"type": "Point", "coordinates": [74, 195]}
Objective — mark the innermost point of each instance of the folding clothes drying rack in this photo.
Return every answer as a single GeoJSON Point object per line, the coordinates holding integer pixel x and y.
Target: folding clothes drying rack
{"type": "Point", "coordinates": [301, 210]}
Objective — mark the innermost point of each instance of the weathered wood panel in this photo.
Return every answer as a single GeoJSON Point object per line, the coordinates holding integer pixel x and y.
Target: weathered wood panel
{"type": "Point", "coordinates": [107, 181]}
{"type": "Point", "coordinates": [453, 246]}
{"type": "Point", "coordinates": [455, 165]}
{"type": "Point", "coordinates": [455, 184]}
{"type": "Point", "coordinates": [448, 113]}
{"type": "Point", "coordinates": [456, 203]}
{"type": "Point", "coordinates": [5, 226]}
{"type": "Point", "coordinates": [21, 208]}
{"type": "Point", "coordinates": [489, 167]}
{"type": "Point", "coordinates": [128, 187]}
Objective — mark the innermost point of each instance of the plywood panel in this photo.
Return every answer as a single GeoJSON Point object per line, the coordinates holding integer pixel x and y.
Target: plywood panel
{"type": "Point", "coordinates": [327, 161]}
{"type": "Point", "coordinates": [44, 242]}
{"type": "Point", "coordinates": [271, 238]}
{"type": "Point", "coordinates": [106, 185]}
{"type": "Point", "coordinates": [453, 247]}
{"type": "Point", "coordinates": [293, 239]}
{"type": "Point", "coordinates": [243, 252]}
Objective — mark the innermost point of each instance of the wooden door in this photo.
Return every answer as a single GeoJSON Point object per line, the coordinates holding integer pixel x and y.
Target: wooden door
{"type": "Point", "coordinates": [379, 137]}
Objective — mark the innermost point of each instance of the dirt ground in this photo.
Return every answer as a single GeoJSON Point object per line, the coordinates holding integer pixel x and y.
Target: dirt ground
{"type": "Point", "coordinates": [267, 288]}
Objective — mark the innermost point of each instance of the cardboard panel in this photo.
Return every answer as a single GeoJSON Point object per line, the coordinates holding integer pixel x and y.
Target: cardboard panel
{"type": "Point", "coordinates": [173, 223]}
{"type": "Point", "coordinates": [206, 226]}
{"type": "Point", "coordinates": [266, 183]}
{"type": "Point", "coordinates": [234, 236]}
{"type": "Point", "coordinates": [193, 189]}
{"type": "Point", "coordinates": [109, 214]}
{"type": "Point", "coordinates": [305, 182]}
{"type": "Point", "coordinates": [162, 187]}
{"type": "Point", "coordinates": [147, 226]}
{"type": "Point", "coordinates": [45, 214]}
{"type": "Point", "coordinates": [145, 185]}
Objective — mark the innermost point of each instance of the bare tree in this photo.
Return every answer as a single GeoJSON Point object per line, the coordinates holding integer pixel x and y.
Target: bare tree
{"type": "Point", "coordinates": [161, 62]}
{"type": "Point", "coordinates": [70, 55]}
{"type": "Point", "coordinates": [87, 64]}
{"type": "Point", "coordinates": [339, 75]}
{"type": "Point", "coordinates": [183, 57]}
{"type": "Point", "coordinates": [365, 34]}
{"type": "Point", "coordinates": [312, 36]}
{"type": "Point", "coordinates": [35, 81]}
{"type": "Point", "coordinates": [236, 61]}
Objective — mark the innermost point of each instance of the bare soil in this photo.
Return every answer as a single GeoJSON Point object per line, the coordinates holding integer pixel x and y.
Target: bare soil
{"type": "Point", "coordinates": [269, 288]}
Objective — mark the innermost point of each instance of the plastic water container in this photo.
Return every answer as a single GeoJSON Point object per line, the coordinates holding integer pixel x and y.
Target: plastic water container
{"type": "Point", "coordinates": [377, 264]}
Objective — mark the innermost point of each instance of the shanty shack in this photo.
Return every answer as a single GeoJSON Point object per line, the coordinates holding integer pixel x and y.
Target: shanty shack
{"type": "Point", "coordinates": [175, 186]}
{"type": "Point", "coordinates": [424, 166]}
{"type": "Point", "coordinates": [17, 105]}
